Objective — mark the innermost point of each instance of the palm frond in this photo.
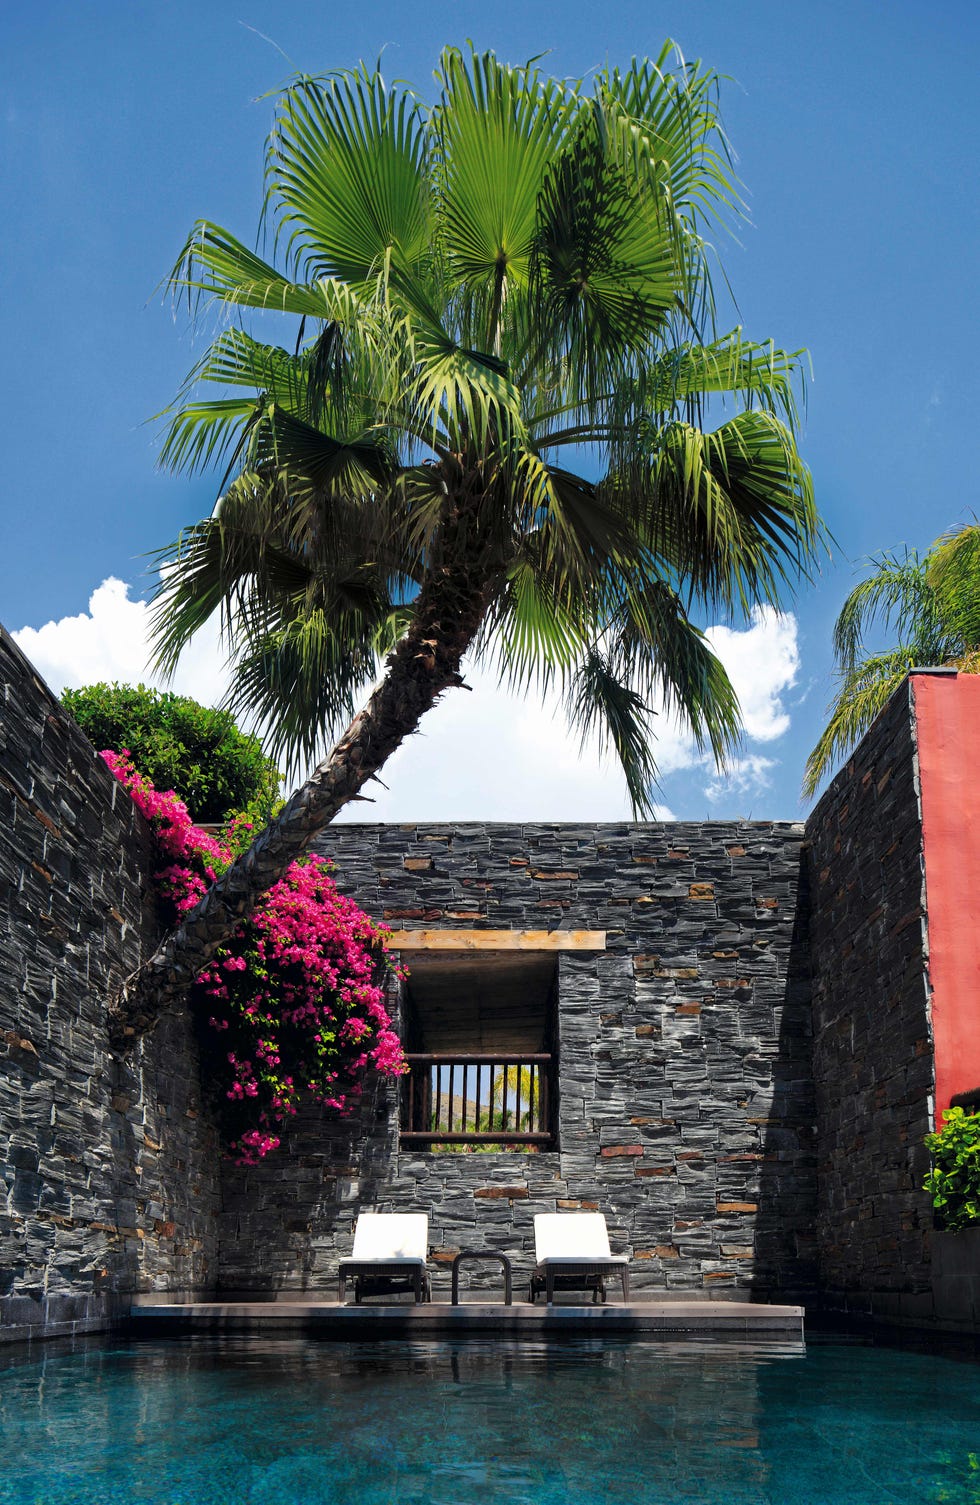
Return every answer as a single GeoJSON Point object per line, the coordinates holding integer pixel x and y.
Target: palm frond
{"type": "Point", "coordinates": [731, 511]}
{"type": "Point", "coordinates": [932, 602]}
{"type": "Point", "coordinates": [215, 264]}
{"type": "Point", "coordinates": [672, 661]}
{"type": "Point", "coordinates": [678, 380]}
{"type": "Point", "coordinates": [202, 434]}
{"type": "Point", "coordinates": [537, 630]}
{"type": "Point", "coordinates": [203, 430]}
{"type": "Point", "coordinates": [497, 131]}
{"type": "Point", "coordinates": [662, 118]}
{"type": "Point", "coordinates": [312, 463]}
{"type": "Point", "coordinates": [952, 570]}
{"type": "Point", "coordinates": [896, 593]}
{"type": "Point", "coordinates": [577, 525]}
{"type": "Point", "coordinates": [865, 689]}
{"type": "Point", "coordinates": [299, 685]}
{"type": "Point", "coordinates": [601, 705]}
{"type": "Point", "coordinates": [266, 557]}
{"type": "Point", "coordinates": [345, 178]}
{"type": "Point", "coordinates": [459, 397]}
{"type": "Point", "coordinates": [678, 383]}
{"type": "Point", "coordinates": [603, 276]}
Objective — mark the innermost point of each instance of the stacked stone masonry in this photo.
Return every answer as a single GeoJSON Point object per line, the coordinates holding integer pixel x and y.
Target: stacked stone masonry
{"type": "Point", "coordinates": [745, 1070]}
{"type": "Point", "coordinates": [686, 1101]}
{"type": "Point", "coordinates": [108, 1171]}
{"type": "Point", "coordinates": [872, 1050]}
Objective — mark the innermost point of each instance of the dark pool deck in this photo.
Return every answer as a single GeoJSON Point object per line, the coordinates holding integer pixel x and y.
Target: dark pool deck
{"type": "Point", "coordinates": [327, 1319]}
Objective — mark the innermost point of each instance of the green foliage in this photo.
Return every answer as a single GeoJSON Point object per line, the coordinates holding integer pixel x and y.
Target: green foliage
{"type": "Point", "coordinates": [932, 603]}
{"type": "Point", "coordinates": [199, 753]}
{"type": "Point", "coordinates": [487, 289]}
{"type": "Point", "coordinates": [954, 1181]}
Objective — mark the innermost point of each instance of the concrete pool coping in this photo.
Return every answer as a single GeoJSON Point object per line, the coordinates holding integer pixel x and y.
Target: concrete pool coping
{"type": "Point", "coordinates": [740, 1319]}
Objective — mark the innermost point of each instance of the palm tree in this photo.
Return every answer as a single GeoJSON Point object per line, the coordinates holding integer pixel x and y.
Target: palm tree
{"type": "Point", "coordinates": [512, 1100]}
{"type": "Point", "coordinates": [933, 604]}
{"type": "Point", "coordinates": [485, 436]}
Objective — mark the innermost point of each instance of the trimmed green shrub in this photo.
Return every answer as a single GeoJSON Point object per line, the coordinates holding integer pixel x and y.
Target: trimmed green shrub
{"type": "Point", "coordinates": [954, 1181]}
{"type": "Point", "coordinates": [217, 770]}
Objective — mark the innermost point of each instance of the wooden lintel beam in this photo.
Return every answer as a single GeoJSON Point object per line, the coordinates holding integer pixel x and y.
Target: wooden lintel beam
{"type": "Point", "coordinates": [498, 940]}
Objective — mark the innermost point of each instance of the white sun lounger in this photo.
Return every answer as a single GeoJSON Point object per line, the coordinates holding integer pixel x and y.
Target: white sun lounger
{"type": "Point", "coordinates": [572, 1252]}
{"type": "Point", "coordinates": [389, 1254]}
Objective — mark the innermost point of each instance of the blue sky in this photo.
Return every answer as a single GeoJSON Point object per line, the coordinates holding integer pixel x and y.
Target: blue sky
{"type": "Point", "coordinates": [856, 129]}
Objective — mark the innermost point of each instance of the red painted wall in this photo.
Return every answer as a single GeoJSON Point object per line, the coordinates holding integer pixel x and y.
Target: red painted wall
{"type": "Point", "coordinates": [947, 719]}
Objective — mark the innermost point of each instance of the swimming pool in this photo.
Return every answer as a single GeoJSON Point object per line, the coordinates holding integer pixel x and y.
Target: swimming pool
{"type": "Point", "coordinates": [583, 1423]}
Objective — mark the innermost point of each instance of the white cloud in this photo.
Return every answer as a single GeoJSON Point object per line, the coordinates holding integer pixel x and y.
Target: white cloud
{"type": "Point", "coordinates": [492, 756]}
{"type": "Point", "coordinates": [489, 755]}
{"type": "Point", "coordinates": [751, 774]}
{"type": "Point", "coordinates": [110, 643]}
{"type": "Point", "coordinates": [486, 755]}
{"type": "Point", "coordinates": [762, 662]}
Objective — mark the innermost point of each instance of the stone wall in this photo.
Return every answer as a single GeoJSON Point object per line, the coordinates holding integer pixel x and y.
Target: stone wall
{"type": "Point", "coordinates": [692, 1077]}
{"type": "Point", "coordinates": [872, 1051]}
{"type": "Point", "coordinates": [686, 1105]}
{"type": "Point", "coordinates": [108, 1169]}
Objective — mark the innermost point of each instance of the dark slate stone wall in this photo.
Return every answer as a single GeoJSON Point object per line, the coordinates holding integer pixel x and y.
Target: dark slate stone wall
{"type": "Point", "coordinates": [690, 1087]}
{"type": "Point", "coordinates": [872, 1053]}
{"type": "Point", "coordinates": [686, 1102]}
{"type": "Point", "coordinates": [108, 1169]}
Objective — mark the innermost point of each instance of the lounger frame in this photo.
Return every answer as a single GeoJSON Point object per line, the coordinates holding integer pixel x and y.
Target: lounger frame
{"type": "Point", "coordinates": [572, 1253]}
{"type": "Point", "coordinates": [389, 1256]}
{"type": "Point", "coordinates": [374, 1276]}
{"type": "Point", "coordinates": [578, 1276]}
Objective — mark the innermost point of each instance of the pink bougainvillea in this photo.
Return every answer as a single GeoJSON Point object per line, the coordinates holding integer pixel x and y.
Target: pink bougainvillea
{"type": "Point", "coordinates": [190, 858]}
{"type": "Point", "coordinates": [292, 1007]}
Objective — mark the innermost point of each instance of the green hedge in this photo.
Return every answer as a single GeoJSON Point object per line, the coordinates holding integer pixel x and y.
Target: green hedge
{"type": "Point", "coordinates": [217, 770]}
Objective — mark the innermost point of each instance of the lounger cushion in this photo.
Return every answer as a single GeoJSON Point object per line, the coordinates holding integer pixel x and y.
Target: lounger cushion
{"type": "Point", "coordinates": [571, 1236]}
{"type": "Point", "coordinates": [390, 1238]}
{"type": "Point", "coordinates": [577, 1260]}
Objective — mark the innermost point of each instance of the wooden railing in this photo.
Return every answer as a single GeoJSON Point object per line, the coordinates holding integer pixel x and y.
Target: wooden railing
{"type": "Point", "coordinates": [452, 1098]}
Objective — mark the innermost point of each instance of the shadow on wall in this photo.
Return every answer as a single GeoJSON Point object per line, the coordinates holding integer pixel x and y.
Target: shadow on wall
{"type": "Point", "coordinates": [167, 1152]}
{"type": "Point", "coordinates": [108, 1168]}
{"type": "Point", "coordinates": [786, 1263]}
{"type": "Point", "coordinates": [872, 1045]}
{"type": "Point", "coordinates": [286, 1222]}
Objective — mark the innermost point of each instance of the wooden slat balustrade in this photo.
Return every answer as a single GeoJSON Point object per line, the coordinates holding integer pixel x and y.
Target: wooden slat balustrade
{"type": "Point", "coordinates": [469, 1099]}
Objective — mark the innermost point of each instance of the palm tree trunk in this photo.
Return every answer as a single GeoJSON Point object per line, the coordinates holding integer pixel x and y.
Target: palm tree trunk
{"type": "Point", "coordinates": [448, 613]}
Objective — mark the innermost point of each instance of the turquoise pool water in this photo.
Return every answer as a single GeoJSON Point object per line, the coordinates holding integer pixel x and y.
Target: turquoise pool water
{"type": "Point", "coordinates": [299, 1423]}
